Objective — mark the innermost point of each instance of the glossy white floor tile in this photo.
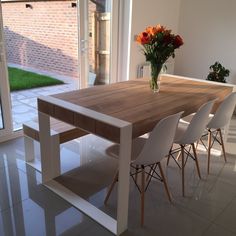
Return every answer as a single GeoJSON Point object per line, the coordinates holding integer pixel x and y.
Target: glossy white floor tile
{"type": "Point", "coordinates": [215, 230]}
{"type": "Point", "coordinates": [29, 208]}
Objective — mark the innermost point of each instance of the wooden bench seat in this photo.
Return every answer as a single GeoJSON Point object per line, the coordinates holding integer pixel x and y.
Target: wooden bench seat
{"type": "Point", "coordinates": [60, 133]}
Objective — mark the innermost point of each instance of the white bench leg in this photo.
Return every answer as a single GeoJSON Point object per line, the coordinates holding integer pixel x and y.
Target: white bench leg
{"type": "Point", "coordinates": [55, 152]}
{"type": "Point", "coordinates": [29, 149]}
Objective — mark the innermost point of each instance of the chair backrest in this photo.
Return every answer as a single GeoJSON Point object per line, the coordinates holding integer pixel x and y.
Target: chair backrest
{"type": "Point", "coordinates": [224, 112]}
{"type": "Point", "coordinates": [197, 124]}
{"type": "Point", "coordinates": [160, 141]}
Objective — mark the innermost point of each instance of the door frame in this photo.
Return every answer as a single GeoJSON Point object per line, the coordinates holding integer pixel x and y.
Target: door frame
{"type": "Point", "coordinates": [83, 42]}
{"type": "Point", "coordinates": [7, 131]}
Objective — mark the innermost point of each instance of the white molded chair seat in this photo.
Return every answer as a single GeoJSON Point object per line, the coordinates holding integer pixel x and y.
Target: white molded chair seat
{"type": "Point", "coordinates": [189, 133]}
{"type": "Point", "coordinates": [224, 113]}
{"type": "Point", "coordinates": [219, 120]}
{"type": "Point", "coordinates": [187, 119]}
{"type": "Point", "coordinates": [182, 127]}
{"type": "Point", "coordinates": [137, 146]}
{"type": "Point", "coordinates": [148, 153]}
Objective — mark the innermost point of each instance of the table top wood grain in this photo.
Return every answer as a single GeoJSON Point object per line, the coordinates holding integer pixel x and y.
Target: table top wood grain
{"type": "Point", "coordinates": [134, 102]}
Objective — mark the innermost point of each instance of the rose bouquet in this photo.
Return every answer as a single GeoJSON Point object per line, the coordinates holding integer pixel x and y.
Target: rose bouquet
{"type": "Point", "coordinates": [158, 45]}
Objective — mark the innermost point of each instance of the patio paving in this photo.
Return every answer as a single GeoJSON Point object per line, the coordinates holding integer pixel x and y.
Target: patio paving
{"type": "Point", "coordinates": [24, 102]}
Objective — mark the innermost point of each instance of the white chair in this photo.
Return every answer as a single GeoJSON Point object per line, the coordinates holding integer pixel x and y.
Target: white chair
{"type": "Point", "coordinates": [220, 119]}
{"type": "Point", "coordinates": [148, 153]}
{"type": "Point", "coordinates": [187, 135]}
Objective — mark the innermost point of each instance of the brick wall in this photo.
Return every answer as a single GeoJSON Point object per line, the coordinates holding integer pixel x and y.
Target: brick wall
{"type": "Point", "coordinates": [44, 37]}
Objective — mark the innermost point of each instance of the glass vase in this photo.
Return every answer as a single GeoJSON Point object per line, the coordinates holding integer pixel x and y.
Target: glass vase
{"type": "Point", "coordinates": [155, 77]}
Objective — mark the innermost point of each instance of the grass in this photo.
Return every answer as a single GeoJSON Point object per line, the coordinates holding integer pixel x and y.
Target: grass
{"type": "Point", "coordinates": [21, 79]}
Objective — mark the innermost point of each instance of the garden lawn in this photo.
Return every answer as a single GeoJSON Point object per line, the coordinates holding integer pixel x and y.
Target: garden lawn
{"type": "Point", "coordinates": [21, 79]}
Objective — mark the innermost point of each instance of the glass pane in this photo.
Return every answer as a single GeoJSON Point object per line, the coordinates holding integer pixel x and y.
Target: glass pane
{"type": "Point", "coordinates": [41, 38]}
{"type": "Point", "coordinates": [99, 16]}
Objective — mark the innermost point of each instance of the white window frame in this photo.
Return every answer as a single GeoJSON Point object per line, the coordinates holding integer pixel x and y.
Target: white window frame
{"type": "Point", "coordinates": [7, 131]}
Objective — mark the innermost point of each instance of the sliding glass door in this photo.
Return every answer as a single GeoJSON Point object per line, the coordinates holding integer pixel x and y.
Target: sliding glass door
{"type": "Point", "coordinates": [95, 51]}
{"type": "Point", "coordinates": [41, 41]}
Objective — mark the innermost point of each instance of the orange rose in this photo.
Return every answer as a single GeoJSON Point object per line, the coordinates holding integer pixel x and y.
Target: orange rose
{"type": "Point", "coordinates": [139, 39]}
{"type": "Point", "coordinates": [143, 38]}
{"type": "Point", "coordinates": [160, 28]}
{"type": "Point", "coordinates": [151, 30]}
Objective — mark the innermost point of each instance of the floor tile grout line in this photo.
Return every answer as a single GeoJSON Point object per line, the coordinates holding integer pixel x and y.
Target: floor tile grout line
{"type": "Point", "coordinates": [224, 210]}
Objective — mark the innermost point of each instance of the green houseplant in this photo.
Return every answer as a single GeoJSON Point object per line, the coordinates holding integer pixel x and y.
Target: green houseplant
{"type": "Point", "coordinates": [218, 73]}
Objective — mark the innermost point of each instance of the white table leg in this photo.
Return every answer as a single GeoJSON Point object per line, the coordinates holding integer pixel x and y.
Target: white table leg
{"type": "Point", "coordinates": [123, 183]}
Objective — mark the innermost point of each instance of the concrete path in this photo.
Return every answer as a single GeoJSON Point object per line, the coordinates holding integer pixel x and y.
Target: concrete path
{"type": "Point", "coordinates": [24, 102]}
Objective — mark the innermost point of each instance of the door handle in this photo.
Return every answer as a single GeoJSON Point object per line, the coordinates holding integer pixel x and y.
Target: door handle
{"type": "Point", "coordinates": [83, 49]}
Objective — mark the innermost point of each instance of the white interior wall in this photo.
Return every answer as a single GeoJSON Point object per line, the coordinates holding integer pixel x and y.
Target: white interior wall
{"type": "Point", "coordinates": [209, 33]}
{"type": "Point", "coordinates": [150, 13]}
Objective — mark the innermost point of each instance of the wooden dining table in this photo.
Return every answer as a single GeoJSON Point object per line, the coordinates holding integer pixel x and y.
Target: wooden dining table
{"type": "Point", "coordinates": [118, 112]}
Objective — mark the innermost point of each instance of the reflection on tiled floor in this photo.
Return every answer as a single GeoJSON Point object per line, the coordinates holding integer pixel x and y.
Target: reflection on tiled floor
{"type": "Point", "coordinates": [28, 208]}
{"type": "Point", "coordinates": [24, 102]}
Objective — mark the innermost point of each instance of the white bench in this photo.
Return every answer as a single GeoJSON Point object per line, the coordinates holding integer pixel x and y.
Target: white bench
{"type": "Point", "coordinates": [60, 133]}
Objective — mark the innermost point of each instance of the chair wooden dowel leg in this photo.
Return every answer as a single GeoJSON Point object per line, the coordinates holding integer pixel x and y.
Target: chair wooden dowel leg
{"type": "Point", "coordinates": [164, 182]}
{"type": "Point", "coordinates": [197, 143]}
{"type": "Point", "coordinates": [178, 156]}
{"type": "Point", "coordinates": [168, 159]}
{"type": "Point", "coordinates": [182, 169]}
{"type": "Point", "coordinates": [222, 144]}
{"type": "Point", "coordinates": [142, 195]}
{"type": "Point", "coordinates": [153, 167]}
{"type": "Point", "coordinates": [209, 152]}
{"type": "Point", "coordinates": [196, 160]}
{"type": "Point", "coordinates": [115, 179]}
{"type": "Point", "coordinates": [136, 173]}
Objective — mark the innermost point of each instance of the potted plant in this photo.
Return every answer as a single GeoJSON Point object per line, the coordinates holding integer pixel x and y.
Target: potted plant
{"type": "Point", "coordinates": [218, 73]}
